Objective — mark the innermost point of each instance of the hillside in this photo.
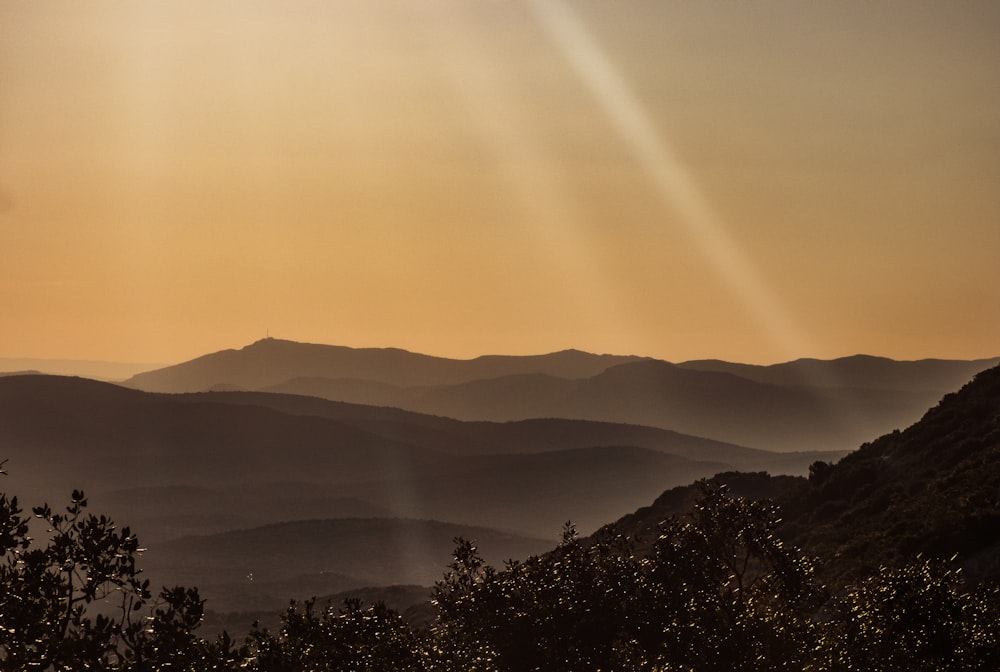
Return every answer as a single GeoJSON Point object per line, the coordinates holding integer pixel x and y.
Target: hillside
{"type": "Point", "coordinates": [717, 405]}
{"type": "Point", "coordinates": [933, 489]}
{"type": "Point", "coordinates": [199, 473]}
{"type": "Point", "coordinates": [643, 524]}
{"type": "Point", "coordinates": [61, 433]}
{"type": "Point", "coordinates": [170, 511]}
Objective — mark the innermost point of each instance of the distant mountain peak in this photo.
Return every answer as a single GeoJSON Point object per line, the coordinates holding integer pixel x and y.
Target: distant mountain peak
{"type": "Point", "coordinates": [272, 361]}
{"type": "Point", "coordinates": [272, 342]}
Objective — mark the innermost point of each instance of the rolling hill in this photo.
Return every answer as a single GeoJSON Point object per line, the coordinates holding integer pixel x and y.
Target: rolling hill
{"type": "Point", "coordinates": [127, 446]}
{"type": "Point", "coordinates": [523, 436]}
{"type": "Point", "coordinates": [263, 567]}
{"type": "Point", "coordinates": [60, 431]}
{"type": "Point", "coordinates": [716, 405]}
{"type": "Point", "coordinates": [63, 433]}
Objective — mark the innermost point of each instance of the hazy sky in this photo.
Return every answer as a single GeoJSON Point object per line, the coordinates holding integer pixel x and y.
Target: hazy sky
{"type": "Point", "coordinates": [750, 181]}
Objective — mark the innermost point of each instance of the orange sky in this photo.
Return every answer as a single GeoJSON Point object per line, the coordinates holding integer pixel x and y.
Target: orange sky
{"type": "Point", "coordinates": [748, 181]}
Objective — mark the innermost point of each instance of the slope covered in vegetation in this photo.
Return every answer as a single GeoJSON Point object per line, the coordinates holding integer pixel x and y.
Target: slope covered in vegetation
{"type": "Point", "coordinates": [933, 489]}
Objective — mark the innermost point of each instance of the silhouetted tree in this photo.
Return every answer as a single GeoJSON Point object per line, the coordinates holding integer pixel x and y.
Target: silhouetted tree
{"type": "Point", "coordinates": [75, 599]}
{"type": "Point", "coordinates": [913, 618]}
{"type": "Point", "coordinates": [373, 639]}
{"type": "Point", "coordinates": [818, 471]}
{"type": "Point", "coordinates": [720, 591]}
{"type": "Point", "coordinates": [717, 591]}
{"type": "Point", "coordinates": [724, 593]}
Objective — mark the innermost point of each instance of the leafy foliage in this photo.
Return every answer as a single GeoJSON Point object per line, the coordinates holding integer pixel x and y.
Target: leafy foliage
{"type": "Point", "coordinates": [913, 618]}
{"type": "Point", "coordinates": [720, 591]}
{"type": "Point", "coordinates": [562, 611]}
{"type": "Point", "coordinates": [717, 590]}
{"type": "Point", "coordinates": [366, 640]}
{"type": "Point", "coordinates": [728, 593]}
{"type": "Point", "coordinates": [79, 601]}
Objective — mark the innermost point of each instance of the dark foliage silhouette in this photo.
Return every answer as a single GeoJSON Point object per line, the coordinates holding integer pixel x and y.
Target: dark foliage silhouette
{"type": "Point", "coordinates": [375, 639]}
{"type": "Point", "coordinates": [76, 600]}
{"type": "Point", "coordinates": [913, 618]}
{"type": "Point", "coordinates": [717, 590]}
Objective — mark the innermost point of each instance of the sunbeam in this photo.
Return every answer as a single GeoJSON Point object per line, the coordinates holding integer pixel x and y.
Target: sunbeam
{"type": "Point", "coordinates": [672, 181]}
{"type": "Point", "coordinates": [541, 212]}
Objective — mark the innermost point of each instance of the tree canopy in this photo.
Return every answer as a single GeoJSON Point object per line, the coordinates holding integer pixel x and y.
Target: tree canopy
{"type": "Point", "coordinates": [718, 590]}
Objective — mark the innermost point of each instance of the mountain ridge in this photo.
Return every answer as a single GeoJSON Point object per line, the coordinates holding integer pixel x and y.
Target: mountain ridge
{"type": "Point", "coordinates": [804, 405]}
{"type": "Point", "coordinates": [930, 488]}
{"type": "Point", "coordinates": [259, 360]}
{"type": "Point", "coordinates": [858, 371]}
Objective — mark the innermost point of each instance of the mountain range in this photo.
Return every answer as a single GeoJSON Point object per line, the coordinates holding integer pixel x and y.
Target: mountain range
{"type": "Point", "coordinates": [257, 475]}
{"type": "Point", "coordinates": [803, 405]}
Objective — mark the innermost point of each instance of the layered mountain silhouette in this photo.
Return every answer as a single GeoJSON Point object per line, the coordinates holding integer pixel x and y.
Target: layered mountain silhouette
{"type": "Point", "coordinates": [111, 371]}
{"type": "Point", "coordinates": [248, 457]}
{"type": "Point", "coordinates": [796, 406]}
{"type": "Point", "coordinates": [256, 474]}
{"type": "Point", "coordinates": [186, 467]}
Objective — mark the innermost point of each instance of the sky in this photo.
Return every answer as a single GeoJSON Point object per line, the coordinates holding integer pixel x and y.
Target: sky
{"type": "Point", "coordinates": [754, 182]}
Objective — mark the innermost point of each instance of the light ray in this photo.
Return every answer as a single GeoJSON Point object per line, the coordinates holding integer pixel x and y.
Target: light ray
{"type": "Point", "coordinates": [530, 179]}
{"type": "Point", "coordinates": [672, 181]}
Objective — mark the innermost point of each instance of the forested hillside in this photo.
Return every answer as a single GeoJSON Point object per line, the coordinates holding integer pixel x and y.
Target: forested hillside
{"type": "Point", "coordinates": [931, 489]}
